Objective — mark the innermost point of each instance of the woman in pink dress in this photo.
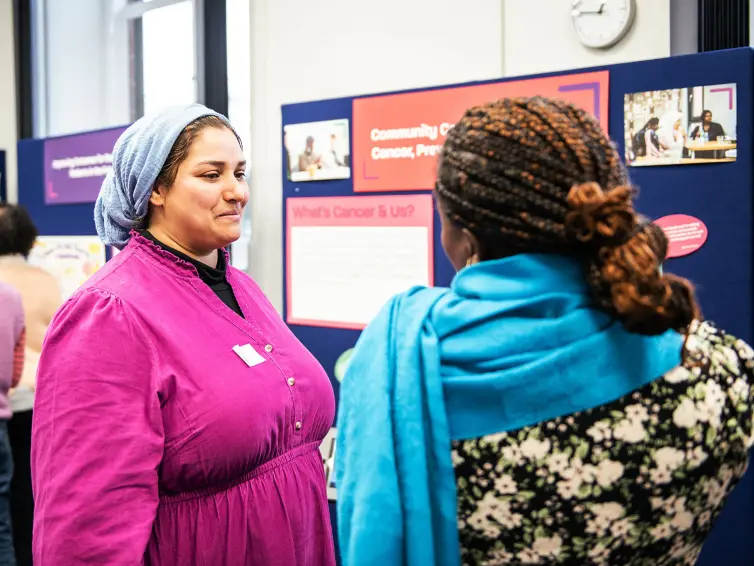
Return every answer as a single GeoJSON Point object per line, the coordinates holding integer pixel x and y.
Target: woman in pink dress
{"type": "Point", "coordinates": [177, 419]}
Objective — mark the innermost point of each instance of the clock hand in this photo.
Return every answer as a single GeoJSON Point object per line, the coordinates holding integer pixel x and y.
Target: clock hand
{"type": "Point", "coordinates": [580, 12]}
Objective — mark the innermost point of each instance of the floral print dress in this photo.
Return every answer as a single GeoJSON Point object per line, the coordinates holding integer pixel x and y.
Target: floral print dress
{"type": "Point", "coordinates": [638, 481]}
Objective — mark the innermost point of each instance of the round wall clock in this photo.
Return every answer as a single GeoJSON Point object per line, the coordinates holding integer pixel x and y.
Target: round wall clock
{"type": "Point", "coordinates": [600, 24]}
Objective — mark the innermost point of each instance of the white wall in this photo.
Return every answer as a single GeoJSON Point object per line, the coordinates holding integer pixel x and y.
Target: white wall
{"type": "Point", "coordinates": [539, 37]}
{"type": "Point", "coordinates": [308, 51]}
{"type": "Point", "coordinates": [8, 129]}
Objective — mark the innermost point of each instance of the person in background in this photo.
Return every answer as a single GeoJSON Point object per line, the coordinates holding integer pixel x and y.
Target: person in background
{"type": "Point", "coordinates": [709, 131]}
{"type": "Point", "coordinates": [333, 158]}
{"type": "Point", "coordinates": [707, 128]}
{"type": "Point", "coordinates": [40, 293]}
{"type": "Point", "coordinates": [177, 418]}
{"type": "Point", "coordinates": [309, 160]}
{"type": "Point", "coordinates": [671, 134]}
{"type": "Point", "coordinates": [645, 142]}
{"type": "Point", "coordinates": [560, 402]}
{"type": "Point", "coordinates": [12, 344]}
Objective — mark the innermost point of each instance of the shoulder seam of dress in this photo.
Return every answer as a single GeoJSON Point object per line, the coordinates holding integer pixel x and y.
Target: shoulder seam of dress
{"type": "Point", "coordinates": [129, 312]}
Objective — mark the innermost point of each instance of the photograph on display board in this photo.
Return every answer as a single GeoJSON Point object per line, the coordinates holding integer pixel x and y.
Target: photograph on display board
{"type": "Point", "coordinates": [317, 151]}
{"type": "Point", "coordinates": [682, 126]}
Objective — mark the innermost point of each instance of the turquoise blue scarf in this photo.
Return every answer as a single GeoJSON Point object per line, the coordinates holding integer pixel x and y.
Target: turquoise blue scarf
{"type": "Point", "coordinates": [513, 342]}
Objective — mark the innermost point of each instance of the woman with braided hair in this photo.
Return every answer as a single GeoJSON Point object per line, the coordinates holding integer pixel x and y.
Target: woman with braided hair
{"type": "Point", "coordinates": [561, 402]}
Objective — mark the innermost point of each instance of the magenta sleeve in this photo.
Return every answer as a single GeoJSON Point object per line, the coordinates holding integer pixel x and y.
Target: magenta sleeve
{"type": "Point", "coordinates": [97, 438]}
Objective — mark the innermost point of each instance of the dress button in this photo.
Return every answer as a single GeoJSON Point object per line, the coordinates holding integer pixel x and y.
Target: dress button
{"type": "Point", "coordinates": [298, 425]}
{"type": "Point", "coordinates": [291, 381]}
{"type": "Point", "coordinates": [268, 348]}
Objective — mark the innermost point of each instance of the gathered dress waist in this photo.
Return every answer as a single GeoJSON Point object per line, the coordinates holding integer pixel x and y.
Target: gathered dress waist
{"type": "Point", "coordinates": [286, 457]}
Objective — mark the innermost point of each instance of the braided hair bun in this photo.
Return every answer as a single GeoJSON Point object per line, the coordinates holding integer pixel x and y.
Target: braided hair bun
{"type": "Point", "coordinates": [540, 176]}
{"type": "Point", "coordinates": [623, 264]}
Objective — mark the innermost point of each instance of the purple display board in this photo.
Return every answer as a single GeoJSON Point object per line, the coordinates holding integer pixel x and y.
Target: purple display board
{"type": "Point", "coordinates": [76, 165]}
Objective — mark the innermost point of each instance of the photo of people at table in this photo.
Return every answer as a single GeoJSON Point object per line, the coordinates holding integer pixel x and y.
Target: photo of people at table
{"type": "Point", "coordinates": [682, 126]}
{"type": "Point", "coordinates": [317, 151]}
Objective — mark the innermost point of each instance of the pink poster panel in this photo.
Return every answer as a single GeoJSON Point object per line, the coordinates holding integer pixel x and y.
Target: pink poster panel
{"type": "Point", "coordinates": [347, 256]}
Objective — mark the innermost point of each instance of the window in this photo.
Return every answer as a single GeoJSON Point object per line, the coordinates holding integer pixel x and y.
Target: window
{"type": "Point", "coordinates": [239, 67]}
{"type": "Point", "coordinates": [102, 63]}
{"type": "Point", "coordinates": [168, 62]}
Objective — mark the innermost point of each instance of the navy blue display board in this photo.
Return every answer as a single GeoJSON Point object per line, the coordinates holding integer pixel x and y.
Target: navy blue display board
{"type": "Point", "coordinates": [718, 194]}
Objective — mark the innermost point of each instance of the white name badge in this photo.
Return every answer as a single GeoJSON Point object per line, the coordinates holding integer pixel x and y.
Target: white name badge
{"type": "Point", "coordinates": [248, 354]}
